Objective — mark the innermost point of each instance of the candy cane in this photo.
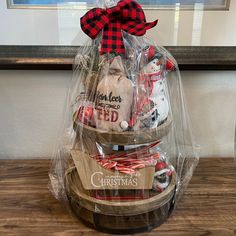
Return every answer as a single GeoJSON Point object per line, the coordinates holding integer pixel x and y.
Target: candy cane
{"type": "Point", "coordinates": [128, 162]}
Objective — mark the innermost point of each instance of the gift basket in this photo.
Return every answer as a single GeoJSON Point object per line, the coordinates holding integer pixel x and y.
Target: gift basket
{"type": "Point", "coordinates": [126, 151]}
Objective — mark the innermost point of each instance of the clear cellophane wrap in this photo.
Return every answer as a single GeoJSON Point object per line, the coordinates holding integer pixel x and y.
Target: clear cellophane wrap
{"type": "Point", "coordinates": [126, 147]}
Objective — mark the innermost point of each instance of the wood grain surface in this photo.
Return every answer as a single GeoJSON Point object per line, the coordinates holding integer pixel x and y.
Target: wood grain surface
{"type": "Point", "coordinates": [27, 207]}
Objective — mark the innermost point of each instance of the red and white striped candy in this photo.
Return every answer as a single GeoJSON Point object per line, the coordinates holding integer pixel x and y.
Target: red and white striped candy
{"type": "Point", "coordinates": [128, 162]}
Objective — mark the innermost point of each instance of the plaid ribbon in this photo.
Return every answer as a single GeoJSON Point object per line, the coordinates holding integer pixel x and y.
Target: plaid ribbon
{"type": "Point", "coordinates": [127, 15]}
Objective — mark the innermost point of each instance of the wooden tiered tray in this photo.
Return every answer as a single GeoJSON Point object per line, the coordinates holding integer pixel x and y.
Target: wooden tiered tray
{"type": "Point", "coordinates": [119, 217]}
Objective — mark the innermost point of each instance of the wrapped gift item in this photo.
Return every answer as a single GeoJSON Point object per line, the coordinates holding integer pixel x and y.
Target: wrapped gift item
{"type": "Point", "coordinates": [126, 151]}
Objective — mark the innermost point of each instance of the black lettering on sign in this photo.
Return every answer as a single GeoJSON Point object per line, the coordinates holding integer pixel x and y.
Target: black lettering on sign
{"type": "Point", "coordinates": [108, 106]}
{"type": "Point", "coordinates": [108, 98]}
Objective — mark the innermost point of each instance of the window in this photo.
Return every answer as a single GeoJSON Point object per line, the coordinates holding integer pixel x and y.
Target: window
{"type": "Point", "coordinates": [162, 4]}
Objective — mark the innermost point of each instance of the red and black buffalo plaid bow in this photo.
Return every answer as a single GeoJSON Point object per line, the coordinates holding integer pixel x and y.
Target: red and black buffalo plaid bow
{"type": "Point", "coordinates": [128, 15]}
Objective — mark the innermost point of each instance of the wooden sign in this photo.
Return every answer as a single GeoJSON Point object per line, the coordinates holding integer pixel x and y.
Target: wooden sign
{"type": "Point", "coordinates": [94, 176]}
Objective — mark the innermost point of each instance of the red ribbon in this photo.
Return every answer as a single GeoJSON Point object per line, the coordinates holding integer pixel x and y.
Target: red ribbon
{"type": "Point", "coordinates": [127, 15]}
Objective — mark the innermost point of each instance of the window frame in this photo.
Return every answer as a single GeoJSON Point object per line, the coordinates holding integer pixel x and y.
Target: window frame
{"type": "Point", "coordinates": [16, 57]}
{"type": "Point", "coordinates": [11, 5]}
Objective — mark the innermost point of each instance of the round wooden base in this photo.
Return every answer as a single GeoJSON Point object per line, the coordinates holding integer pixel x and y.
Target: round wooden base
{"type": "Point", "coordinates": [122, 224]}
{"type": "Point", "coordinates": [119, 217]}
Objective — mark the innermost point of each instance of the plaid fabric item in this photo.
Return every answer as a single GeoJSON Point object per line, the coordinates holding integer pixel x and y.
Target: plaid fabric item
{"type": "Point", "coordinates": [128, 15]}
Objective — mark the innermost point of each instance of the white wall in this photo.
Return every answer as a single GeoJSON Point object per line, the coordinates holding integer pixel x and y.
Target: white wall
{"type": "Point", "coordinates": [211, 98]}
{"type": "Point", "coordinates": [62, 27]}
{"type": "Point", "coordinates": [32, 102]}
{"type": "Point", "coordinates": [31, 108]}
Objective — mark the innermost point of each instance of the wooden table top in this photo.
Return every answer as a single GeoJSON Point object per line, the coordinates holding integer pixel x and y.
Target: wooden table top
{"type": "Point", "coordinates": [28, 208]}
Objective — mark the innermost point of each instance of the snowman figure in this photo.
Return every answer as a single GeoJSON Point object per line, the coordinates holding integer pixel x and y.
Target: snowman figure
{"type": "Point", "coordinates": [153, 109]}
{"type": "Point", "coordinates": [155, 80]}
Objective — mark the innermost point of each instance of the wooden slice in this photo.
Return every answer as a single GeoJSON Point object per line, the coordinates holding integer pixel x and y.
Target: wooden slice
{"type": "Point", "coordinates": [122, 224]}
{"type": "Point", "coordinates": [123, 138]}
